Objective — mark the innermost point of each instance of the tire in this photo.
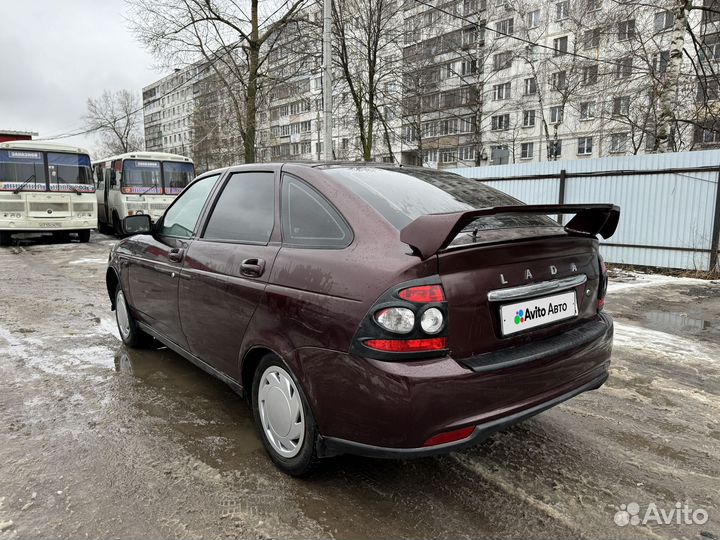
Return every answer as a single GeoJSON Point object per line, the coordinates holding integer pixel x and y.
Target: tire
{"type": "Point", "coordinates": [84, 235]}
{"type": "Point", "coordinates": [130, 333]}
{"type": "Point", "coordinates": [61, 237]}
{"type": "Point", "coordinates": [116, 227]}
{"type": "Point", "coordinates": [5, 238]}
{"type": "Point", "coordinates": [295, 455]}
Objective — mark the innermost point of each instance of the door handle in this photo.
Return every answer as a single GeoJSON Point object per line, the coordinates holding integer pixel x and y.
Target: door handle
{"type": "Point", "coordinates": [176, 254]}
{"type": "Point", "coordinates": [252, 267]}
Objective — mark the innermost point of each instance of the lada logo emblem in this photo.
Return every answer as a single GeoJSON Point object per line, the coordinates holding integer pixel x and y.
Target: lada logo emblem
{"type": "Point", "coordinates": [49, 210]}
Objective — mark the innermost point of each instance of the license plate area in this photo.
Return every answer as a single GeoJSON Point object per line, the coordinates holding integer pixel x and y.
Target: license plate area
{"type": "Point", "coordinates": [536, 312]}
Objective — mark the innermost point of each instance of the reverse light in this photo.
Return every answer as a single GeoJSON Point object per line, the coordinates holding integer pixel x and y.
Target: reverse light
{"type": "Point", "coordinates": [423, 294]}
{"type": "Point", "coordinates": [431, 321]}
{"type": "Point", "coordinates": [407, 345]}
{"type": "Point", "coordinates": [398, 320]}
{"type": "Point", "coordinates": [450, 436]}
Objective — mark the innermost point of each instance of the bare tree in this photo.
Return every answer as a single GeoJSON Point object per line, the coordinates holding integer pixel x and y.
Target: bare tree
{"type": "Point", "coordinates": [234, 40]}
{"type": "Point", "coordinates": [117, 119]}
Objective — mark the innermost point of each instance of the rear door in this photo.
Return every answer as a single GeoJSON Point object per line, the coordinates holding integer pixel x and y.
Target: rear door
{"type": "Point", "coordinates": [226, 270]}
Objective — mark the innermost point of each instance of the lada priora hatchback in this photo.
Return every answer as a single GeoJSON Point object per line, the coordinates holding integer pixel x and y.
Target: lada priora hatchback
{"type": "Point", "coordinates": [382, 311]}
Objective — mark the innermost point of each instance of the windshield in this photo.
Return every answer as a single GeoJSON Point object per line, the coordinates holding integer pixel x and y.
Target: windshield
{"type": "Point", "coordinates": [176, 176]}
{"type": "Point", "coordinates": [401, 196]}
{"type": "Point", "coordinates": [69, 172]}
{"type": "Point", "coordinates": [20, 166]}
{"type": "Point", "coordinates": [141, 176]}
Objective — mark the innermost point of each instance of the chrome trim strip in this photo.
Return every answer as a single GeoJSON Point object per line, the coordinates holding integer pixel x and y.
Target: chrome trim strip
{"type": "Point", "coordinates": [536, 289]}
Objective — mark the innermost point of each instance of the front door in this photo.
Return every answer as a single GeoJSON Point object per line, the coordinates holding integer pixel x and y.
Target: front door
{"type": "Point", "coordinates": [155, 271]}
{"type": "Point", "coordinates": [227, 268]}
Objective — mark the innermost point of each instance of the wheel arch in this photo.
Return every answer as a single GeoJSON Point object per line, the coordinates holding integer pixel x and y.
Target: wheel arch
{"type": "Point", "coordinates": [112, 280]}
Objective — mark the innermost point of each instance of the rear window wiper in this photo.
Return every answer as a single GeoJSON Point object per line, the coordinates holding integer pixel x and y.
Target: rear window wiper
{"type": "Point", "coordinates": [25, 183]}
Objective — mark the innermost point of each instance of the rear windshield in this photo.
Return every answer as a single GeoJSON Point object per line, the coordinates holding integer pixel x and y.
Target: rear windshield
{"type": "Point", "coordinates": [402, 196]}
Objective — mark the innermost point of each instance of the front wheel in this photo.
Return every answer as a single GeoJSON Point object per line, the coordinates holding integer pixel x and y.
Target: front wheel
{"type": "Point", "coordinates": [5, 238]}
{"type": "Point", "coordinates": [84, 235]}
{"type": "Point", "coordinates": [130, 333]}
{"type": "Point", "coordinates": [283, 418]}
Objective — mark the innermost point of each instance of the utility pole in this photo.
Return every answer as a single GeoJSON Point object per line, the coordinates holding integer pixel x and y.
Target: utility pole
{"type": "Point", "coordinates": [327, 80]}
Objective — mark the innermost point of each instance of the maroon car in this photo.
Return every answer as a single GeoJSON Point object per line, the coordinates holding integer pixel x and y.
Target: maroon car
{"type": "Point", "coordinates": [374, 310]}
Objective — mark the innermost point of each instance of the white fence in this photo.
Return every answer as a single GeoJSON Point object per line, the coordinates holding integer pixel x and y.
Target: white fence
{"type": "Point", "coordinates": [670, 203]}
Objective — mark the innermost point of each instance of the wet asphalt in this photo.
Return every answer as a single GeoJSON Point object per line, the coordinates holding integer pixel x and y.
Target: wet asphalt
{"type": "Point", "coordinates": [100, 441]}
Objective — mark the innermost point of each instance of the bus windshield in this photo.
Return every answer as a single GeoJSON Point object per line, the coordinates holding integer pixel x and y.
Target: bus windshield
{"type": "Point", "coordinates": [18, 167]}
{"type": "Point", "coordinates": [141, 176]}
{"type": "Point", "coordinates": [69, 172]}
{"type": "Point", "coordinates": [176, 176]}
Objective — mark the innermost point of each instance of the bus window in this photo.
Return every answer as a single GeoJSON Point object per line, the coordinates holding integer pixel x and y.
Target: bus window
{"type": "Point", "coordinates": [141, 176]}
{"type": "Point", "coordinates": [20, 166]}
{"type": "Point", "coordinates": [176, 176]}
{"type": "Point", "coordinates": [71, 170]}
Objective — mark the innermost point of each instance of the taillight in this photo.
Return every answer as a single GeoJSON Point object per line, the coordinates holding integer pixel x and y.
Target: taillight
{"type": "Point", "coordinates": [423, 294]}
{"type": "Point", "coordinates": [415, 309]}
{"type": "Point", "coordinates": [603, 283]}
{"type": "Point", "coordinates": [407, 345]}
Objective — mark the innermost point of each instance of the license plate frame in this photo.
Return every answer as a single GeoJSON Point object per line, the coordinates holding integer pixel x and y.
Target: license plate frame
{"type": "Point", "coordinates": [531, 313]}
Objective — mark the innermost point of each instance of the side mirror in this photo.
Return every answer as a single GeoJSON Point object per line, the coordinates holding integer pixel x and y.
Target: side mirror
{"type": "Point", "coordinates": [113, 177]}
{"type": "Point", "coordinates": [137, 224]}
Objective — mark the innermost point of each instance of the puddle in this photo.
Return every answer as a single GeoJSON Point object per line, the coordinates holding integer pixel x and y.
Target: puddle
{"type": "Point", "coordinates": [675, 320]}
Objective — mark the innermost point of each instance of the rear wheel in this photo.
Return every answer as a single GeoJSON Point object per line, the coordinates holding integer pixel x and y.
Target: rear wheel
{"type": "Point", "coordinates": [84, 235]}
{"type": "Point", "coordinates": [5, 238]}
{"type": "Point", "coordinates": [62, 237]}
{"type": "Point", "coordinates": [130, 333]}
{"type": "Point", "coordinates": [283, 418]}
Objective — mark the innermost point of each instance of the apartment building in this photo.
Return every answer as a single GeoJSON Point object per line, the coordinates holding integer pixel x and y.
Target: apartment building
{"type": "Point", "coordinates": [478, 82]}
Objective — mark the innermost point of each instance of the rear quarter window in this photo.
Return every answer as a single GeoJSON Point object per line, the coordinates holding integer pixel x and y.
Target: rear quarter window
{"type": "Point", "coordinates": [309, 219]}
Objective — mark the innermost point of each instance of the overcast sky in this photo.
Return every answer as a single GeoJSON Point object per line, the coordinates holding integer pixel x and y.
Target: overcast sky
{"type": "Point", "coordinates": [56, 54]}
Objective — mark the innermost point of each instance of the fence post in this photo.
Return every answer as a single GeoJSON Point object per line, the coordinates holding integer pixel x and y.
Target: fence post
{"type": "Point", "coordinates": [561, 193]}
{"type": "Point", "coordinates": [716, 229]}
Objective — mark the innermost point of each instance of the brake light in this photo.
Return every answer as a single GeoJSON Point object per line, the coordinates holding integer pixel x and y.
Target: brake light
{"type": "Point", "coordinates": [423, 294]}
{"type": "Point", "coordinates": [407, 345]}
{"type": "Point", "coordinates": [450, 436]}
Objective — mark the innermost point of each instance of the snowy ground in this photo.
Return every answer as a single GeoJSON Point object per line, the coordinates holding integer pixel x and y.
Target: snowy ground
{"type": "Point", "coordinates": [101, 441]}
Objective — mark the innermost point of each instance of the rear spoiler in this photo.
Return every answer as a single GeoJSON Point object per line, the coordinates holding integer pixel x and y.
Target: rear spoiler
{"type": "Point", "coordinates": [430, 233]}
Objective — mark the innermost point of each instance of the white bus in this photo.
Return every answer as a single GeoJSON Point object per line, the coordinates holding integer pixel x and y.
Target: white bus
{"type": "Point", "coordinates": [138, 183]}
{"type": "Point", "coordinates": [46, 188]}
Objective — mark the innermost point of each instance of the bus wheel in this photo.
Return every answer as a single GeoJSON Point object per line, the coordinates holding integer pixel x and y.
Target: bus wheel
{"type": "Point", "coordinates": [5, 238]}
{"type": "Point", "coordinates": [116, 225]}
{"type": "Point", "coordinates": [84, 235]}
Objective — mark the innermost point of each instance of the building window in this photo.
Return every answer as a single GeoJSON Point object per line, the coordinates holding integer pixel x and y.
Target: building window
{"type": "Point", "coordinates": [585, 146]}
{"type": "Point", "coordinates": [501, 91]}
{"type": "Point", "coordinates": [467, 153]}
{"type": "Point", "coordinates": [621, 106]}
{"type": "Point", "coordinates": [526, 150]}
{"type": "Point", "coordinates": [499, 155]}
{"type": "Point", "coordinates": [501, 122]}
{"type": "Point", "coordinates": [530, 86]}
{"type": "Point", "coordinates": [661, 61]}
{"type": "Point", "coordinates": [448, 156]}
{"type": "Point", "coordinates": [558, 80]}
{"type": "Point", "coordinates": [468, 67]}
{"type": "Point", "coordinates": [560, 45]}
{"type": "Point", "coordinates": [562, 10]}
{"type": "Point", "coordinates": [556, 114]}
{"type": "Point", "coordinates": [505, 27]}
{"type": "Point", "coordinates": [623, 68]}
{"type": "Point", "coordinates": [664, 20]}
{"type": "Point", "coordinates": [626, 30]}
{"type": "Point", "coordinates": [470, 6]}
{"type": "Point", "coordinates": [590, 75]}
{"type": "Point", "coordinates": [554, 149]}
{"type": "Point", "coordinates": [587, 110]}
{"type": "Point", "coordinates": [469, 36]}
{"type": "Point", "coordinates": [502, 60]}
{"type": "Point", "coordinates": [533, 19]}
{"type": "Point", "coordinates": [618, 142]}
{"type": "Point", "coordinates": [528, 118]}
{"type": "Point", "coordinates": [591, 39]}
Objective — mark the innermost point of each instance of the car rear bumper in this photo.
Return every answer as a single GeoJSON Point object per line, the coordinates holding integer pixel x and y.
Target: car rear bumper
{"type": "Point", "coordinates": [389, 409]}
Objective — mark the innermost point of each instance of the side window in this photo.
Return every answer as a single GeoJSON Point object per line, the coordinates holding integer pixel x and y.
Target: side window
{"type": "Point", "coordinates": [180, 219]}
{"type": "Point", "coordinates": [245, 210]}
{"type": "Point", "coordinates": [309, 220]}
